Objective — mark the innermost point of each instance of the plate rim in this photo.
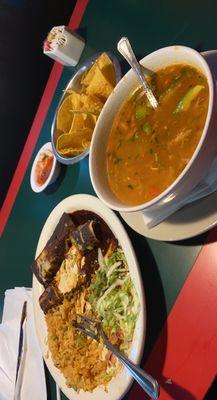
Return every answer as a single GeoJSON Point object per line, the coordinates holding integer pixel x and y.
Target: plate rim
{"type": "Point", "coordinates": [171, 237]}
{"type": "Point", "coordinates": [37, 287]}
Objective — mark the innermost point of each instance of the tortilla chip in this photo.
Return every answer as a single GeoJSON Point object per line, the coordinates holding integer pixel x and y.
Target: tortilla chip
{"type": "Point", "coordinates": [91, 104]}
{"type": "Point", "coordinates": [78, 113]}
{"type": "Point", "coordinates": [76, 100]}
{"type": "Point", "coordinates": [64, 117]}
{"type": "Point", "coordinates": [87, 76]}
{"type": "Point", "coordinates": [86, 143]}
{"type": "Point", "coordinates": [82, 135]}
{"type": "Point", "coordinates": [106, 66]}
{"type": "Point", "coordinates": [99, 85]}
{"type": "Point", "coordinates": [90, 121]}
{"type": "Point", "coordinates": [77, 122]}
{"type": "Point", "coordinates": [70, 152]}
{"type": "Point", "coordinates": [82, 121]}
{"type": "Point", "coordinates": [74, 143]}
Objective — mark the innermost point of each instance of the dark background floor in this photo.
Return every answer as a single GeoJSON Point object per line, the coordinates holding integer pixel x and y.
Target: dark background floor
{"type": "Point", "coordinates": [24, 71]}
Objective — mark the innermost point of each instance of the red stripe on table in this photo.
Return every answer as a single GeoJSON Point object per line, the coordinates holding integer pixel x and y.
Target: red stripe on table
{"type": "Point", "coordinates": [184, 359]}
{"type": "Point", "coordinates": [37, 124]}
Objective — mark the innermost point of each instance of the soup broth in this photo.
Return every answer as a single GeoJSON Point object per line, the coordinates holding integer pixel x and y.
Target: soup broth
{"type": "Point", "coordinates": [148, 148]}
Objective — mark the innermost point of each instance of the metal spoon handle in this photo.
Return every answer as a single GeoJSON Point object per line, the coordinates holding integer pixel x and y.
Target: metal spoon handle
{"type": "Point", "coordinates": [124, 47]}
{"type": "Point", "coordinates": [146, 381]}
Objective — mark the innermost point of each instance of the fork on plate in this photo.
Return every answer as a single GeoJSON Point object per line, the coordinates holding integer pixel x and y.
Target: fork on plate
{"type": "Point", "coordinates": [93, 329]}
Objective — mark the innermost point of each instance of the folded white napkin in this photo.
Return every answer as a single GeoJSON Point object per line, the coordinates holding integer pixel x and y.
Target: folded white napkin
{"type": "Point", "coordinates": [153, 215]}
{"type": "Point", "coordinates": [33, 384]}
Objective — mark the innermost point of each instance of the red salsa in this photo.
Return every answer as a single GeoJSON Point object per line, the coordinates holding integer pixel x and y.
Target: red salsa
{"type": "Point", "coordinates": [43, 168]}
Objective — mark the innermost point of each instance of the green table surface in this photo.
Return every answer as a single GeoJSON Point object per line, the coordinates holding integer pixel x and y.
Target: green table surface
{"type": "Point", "coordinates": [165, 266]}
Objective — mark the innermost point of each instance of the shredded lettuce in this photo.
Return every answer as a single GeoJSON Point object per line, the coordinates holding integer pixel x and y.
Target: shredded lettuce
{"type": "Point", "coordinates": [113, 296]}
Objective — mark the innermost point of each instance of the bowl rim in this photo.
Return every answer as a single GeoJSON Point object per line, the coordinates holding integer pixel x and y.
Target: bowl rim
{"type": "Point", "coordinates": [168, 191]}
{"type": "Point", "coordinates": [39, 188]}
{"type": "Point", "coordinates": [79, 71]}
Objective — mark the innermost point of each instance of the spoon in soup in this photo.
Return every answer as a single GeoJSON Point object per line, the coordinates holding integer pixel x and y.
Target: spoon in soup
{"type": "Point", "coordinates": [124, 47]}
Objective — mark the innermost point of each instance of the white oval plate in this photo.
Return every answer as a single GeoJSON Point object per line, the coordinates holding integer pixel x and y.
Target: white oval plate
{"type": "Point", "coordinates": [193, 219]}
{"type": "Point", "coordinates": [120, 384]}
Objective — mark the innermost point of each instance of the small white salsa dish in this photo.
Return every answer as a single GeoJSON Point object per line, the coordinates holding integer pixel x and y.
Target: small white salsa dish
{"type": "Point", "coordinates": [45, 169]}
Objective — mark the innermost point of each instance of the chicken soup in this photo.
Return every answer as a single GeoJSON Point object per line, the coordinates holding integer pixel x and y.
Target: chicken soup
{"type": "Point", "coordinates": [148, 148]}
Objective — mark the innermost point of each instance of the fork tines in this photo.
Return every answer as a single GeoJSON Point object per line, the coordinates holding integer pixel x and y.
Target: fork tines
{"type": "Point", "coordinates": [88, 326]}
{"type": "Point", "coordinates": [88, 319]}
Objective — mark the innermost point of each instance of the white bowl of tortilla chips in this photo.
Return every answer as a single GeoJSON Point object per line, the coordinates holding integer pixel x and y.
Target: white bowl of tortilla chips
{"type": "Point", "coordinates": [80, 106]}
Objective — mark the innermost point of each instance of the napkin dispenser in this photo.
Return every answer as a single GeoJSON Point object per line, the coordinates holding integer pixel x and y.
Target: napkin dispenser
{"type": "Point", "coordinates": [63, 45]}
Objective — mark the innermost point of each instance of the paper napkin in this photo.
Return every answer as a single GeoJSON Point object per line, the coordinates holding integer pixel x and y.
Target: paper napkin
{"type": "Point", "coordinates": [33, 384]}
{"type": "Point", "coordinates": [155, 214]}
